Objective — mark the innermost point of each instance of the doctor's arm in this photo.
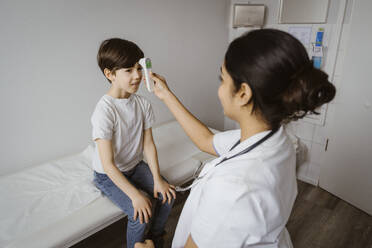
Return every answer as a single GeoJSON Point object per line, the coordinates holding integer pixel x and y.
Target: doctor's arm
{"type": "Point", "coordinates": [194, 128]}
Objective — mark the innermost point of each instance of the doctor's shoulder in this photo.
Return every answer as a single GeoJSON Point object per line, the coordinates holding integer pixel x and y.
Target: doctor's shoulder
{"type": "Point", "coordinates": [224, 141]}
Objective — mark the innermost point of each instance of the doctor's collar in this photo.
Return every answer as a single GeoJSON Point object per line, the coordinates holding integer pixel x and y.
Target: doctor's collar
{"type": "Point", "coordinates": [239, 146]}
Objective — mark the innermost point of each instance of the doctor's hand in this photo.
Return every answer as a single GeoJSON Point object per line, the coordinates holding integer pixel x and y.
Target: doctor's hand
{"type": "Point", "coordinates": [141, 207]}
{"type": "Point", "coordinates": [167, 190]}
{"type": "Point", "coordinates": [161, 89]}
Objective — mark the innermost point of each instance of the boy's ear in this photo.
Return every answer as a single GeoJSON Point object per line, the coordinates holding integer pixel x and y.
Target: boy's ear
{"type": "Point", "coordinates": [109, 75]}
{"type": "Point", "coordinates": [244, 94]}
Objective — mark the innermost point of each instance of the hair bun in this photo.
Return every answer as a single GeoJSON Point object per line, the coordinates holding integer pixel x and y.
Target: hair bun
{"type": "Point", "coordinates": [309, 90]}
{"type": "Point", "coordinates": [324, 94]}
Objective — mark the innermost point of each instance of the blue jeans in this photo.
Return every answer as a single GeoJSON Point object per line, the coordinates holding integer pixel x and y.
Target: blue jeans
{"type": "Point", "coordinates": [141, 177]}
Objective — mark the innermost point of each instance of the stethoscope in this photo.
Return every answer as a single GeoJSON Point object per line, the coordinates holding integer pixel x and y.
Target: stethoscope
{"type": "Point", "coordinates": [248, 149]}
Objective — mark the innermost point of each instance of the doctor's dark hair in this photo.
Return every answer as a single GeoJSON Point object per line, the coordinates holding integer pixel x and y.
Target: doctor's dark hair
{"type": "Point", "coordinates": [116, 53]}
{"type": "Point", "coordinates": [285, 85]}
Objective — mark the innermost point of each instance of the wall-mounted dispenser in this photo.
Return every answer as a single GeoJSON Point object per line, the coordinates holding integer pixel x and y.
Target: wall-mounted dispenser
{"type": "Point", "coordinates": [248, 15]}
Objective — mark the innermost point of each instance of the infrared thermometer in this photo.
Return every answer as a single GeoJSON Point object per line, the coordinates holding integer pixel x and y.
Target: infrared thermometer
{"type": "Point", "coordinates": [146, 67]}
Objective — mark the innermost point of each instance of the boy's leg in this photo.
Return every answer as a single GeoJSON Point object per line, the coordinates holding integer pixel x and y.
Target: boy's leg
{"type": "Point", "coordinates": [143, 179]}
{"type": "Point", "coordinates": [135, 230]}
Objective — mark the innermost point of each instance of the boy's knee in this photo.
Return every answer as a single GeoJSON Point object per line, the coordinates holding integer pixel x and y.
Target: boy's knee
{"type": "Point", "coordinates": [171, 203]}
{"type": "Point", "coordinates": [137, 224]}
{"type": "Point", "coordinates": [160, 199]}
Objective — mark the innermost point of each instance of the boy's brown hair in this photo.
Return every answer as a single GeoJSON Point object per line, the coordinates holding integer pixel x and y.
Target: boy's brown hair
{"type": "Point", "coordinates": [117, 53]}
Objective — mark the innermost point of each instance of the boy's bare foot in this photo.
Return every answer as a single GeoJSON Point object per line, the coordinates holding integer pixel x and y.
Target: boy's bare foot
{"type": "Point", "coordinates": [147, 244]}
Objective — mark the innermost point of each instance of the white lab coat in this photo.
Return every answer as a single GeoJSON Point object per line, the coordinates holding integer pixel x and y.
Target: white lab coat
{"type": "Point", "coordinates": [245, 201]}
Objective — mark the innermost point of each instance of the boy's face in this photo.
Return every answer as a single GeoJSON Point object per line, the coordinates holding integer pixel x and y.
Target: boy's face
{"type": "Point", "coordinates": [128, 79]}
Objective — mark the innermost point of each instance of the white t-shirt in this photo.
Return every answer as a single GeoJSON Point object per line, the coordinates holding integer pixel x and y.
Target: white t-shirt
{"type": "Point", "coordinates": [245, 201]}
{"type": "Point", "coordinates": [122, 121]}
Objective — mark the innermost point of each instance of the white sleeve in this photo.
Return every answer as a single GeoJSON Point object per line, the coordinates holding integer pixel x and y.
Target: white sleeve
{"type": "Point", "coordinates": [222, 142]}
{"type": "Point", "coordinates": [149, 115]}
{"type": "Point", "coordinates": [230, 215]}
{"type": "Point", "coordinates": [103, 120]}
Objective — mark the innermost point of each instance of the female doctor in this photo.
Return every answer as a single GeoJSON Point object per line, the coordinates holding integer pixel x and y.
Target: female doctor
{"type": "Point", "coordinates": [244, 197]}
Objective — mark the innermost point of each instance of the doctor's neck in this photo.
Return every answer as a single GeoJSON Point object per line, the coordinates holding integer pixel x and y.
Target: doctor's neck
{"type": "Point", "coordinates": [250, 125]}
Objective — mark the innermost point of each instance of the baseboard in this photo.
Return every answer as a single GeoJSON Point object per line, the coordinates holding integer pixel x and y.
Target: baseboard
{"type": "Point", "coordinates": [307, 179]}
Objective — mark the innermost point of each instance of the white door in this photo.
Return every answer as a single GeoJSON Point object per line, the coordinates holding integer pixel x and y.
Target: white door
{"type": "Point", "coordinates": [347, 171]}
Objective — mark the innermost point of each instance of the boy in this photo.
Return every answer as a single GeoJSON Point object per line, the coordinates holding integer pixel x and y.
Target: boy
{"type": "Point", "coordinates": [122, 132]}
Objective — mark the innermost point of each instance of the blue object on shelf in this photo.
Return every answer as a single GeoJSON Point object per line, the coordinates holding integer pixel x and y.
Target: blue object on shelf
{"type": "Point", "coordinates": [317, 62]}
{"type": "Point", "coordinates": [318, 49]}
{"type": "Point", "coordinates": [319, 37]}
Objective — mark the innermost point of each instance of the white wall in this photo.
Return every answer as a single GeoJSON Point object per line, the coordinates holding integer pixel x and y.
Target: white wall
{"type": "Point", "coordinates": [50, 81]}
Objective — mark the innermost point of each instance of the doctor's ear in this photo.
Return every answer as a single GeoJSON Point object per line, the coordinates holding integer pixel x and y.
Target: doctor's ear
{"type": "Point", "coordinates": [244, 94]}
{"type": "Point", "coordinates": [110, 75]}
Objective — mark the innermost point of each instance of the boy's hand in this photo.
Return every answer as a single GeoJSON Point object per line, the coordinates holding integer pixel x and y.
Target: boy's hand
{"type": "Point", "coordinates": [160, 86]}
{"type": "Point", "coordinates": [167, 190]}
{"type": "Point", "coordinates": [141, 207]}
